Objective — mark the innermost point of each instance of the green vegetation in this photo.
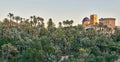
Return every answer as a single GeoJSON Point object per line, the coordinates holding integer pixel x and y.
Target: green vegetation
{"type": "Point", "coordinates": [27, 40]}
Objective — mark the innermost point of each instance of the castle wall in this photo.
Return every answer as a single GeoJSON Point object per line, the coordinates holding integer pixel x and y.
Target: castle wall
{"type": "Point", "coordinates": [110, 22]}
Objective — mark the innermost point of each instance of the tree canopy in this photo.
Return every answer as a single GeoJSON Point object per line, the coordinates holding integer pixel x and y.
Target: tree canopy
{"type": "Point", "coordinates": [28, 40]}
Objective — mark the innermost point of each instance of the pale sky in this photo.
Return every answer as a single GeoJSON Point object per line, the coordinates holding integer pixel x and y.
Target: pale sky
{"type": "Point", "coordinates": [60, 10]}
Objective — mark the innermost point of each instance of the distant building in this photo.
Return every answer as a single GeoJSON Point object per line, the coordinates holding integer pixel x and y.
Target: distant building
{"type": "Point", "coordinates": [86, 21]}
{"type": "Point", "coordinates": [110, 22]}
{"type": "Point", "coordinates": [93, 19]}
{"type": "Point", "coordinates": [90, 22]}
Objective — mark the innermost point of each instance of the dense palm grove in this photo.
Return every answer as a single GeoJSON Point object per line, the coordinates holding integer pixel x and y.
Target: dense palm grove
{"type": "Point", "coordinates": [27, 40]}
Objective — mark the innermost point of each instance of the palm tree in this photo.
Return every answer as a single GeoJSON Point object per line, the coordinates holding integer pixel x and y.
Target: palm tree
{"type": "Point", "coordinates": [31, 23]}
{"type": "Point", "coordinates": [68, 23]}
{"type": "Point", "coordinates": [5, 27]}
{"type": "Point", "coordinates": [117, 31]}
{"type": "Point", "coordinates": [21, 20]}
{"type": "Point", "coordinates": [26, 22]}
{"type": "Point", "coordinates": [10, 15]}
{"type": "Point", "coordinates": [6, 21]}
{"type": "Point", "coordinates": [41, 20]}
{"type": "Point", "coordinates": [31, 20]}
{"type": "Point", "coordinates": [60, 24]}
{"type": "Point", "coordinates": [64, 22]}
{"type": "Point", "coordinates": [31, 17]}
{"type": "Point", "coordinates": [105, 27]}
{"type": "Point", "coordinates": [35, 20]}
{"type": "Point", "coordinates": [71, 22]}
{"type": "Point", "coordinates": [17, 18]}
{"type": "Point", "coordinates": [51, 25]}
{"type": "Point", "coordinates": [109, 29]}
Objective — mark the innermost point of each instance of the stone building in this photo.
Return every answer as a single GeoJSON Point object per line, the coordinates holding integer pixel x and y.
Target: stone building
{"type": "Point", "coordinates": [93, 19]}
{"type": "Point", "coordinates": [110, 22]}
{"type": "Point", "coordinates": [90, 22]}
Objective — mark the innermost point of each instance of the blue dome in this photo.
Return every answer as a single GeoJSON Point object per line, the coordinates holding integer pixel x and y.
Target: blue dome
{"type": "Point", "coordinates": [85, 19]}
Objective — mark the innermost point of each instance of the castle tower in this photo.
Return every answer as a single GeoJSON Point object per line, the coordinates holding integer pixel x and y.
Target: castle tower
{"type": "Point", "coordinates": [110, 22]}
{"type": "Point", "coordinates": [93, 19]}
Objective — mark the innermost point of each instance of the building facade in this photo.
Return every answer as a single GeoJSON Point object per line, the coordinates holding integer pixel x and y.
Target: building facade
{"type": "Point", "coordinates": [93, 19]}
{"type": "Point", "coordinates": [110, 22]}
{"type": "Point", "coordinates": [90, 22]}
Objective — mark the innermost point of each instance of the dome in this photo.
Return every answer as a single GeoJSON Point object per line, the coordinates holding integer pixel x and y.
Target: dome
{"type": "Point", "coordinates": [85, 19]}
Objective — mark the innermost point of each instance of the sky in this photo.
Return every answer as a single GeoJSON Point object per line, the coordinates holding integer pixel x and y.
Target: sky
{"type": "Point", "coordinates": [60, 10]}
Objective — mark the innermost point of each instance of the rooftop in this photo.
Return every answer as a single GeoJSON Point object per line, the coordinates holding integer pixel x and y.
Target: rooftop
{"type": "Point", "coordinates": [85, 19]}
{"type": "Point", "coordinates": [107, 19]}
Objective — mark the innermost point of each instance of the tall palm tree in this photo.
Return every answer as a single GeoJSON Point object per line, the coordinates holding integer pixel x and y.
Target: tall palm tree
{"type": "Point", "coordinates": [31, 20]}
{"type": "Point", "coordinates": [41, 21]}
{"type": "Point", "coordinates": [51, 25]}
{"type": "Point", "coordinates": [31, 23]}
{"type": "Point", "coordinates": [10, 15]}
{"type": "Point", "coordinates": [27, 21]}
{"type": "Point", "coordinates": [31, 17]}
{"type": "Point", "coordinates": [17, 18]}
{"type": "Point", "coordinates": [67, 22]}
{"type": "Point", "coordinates": [35, 20]}
{"type": "Point", "coordinates": [64, 22]}
{"type": "Point", "coordinates": [6, 21]}
{"type": "Point", "coordinates": [60, 24]}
